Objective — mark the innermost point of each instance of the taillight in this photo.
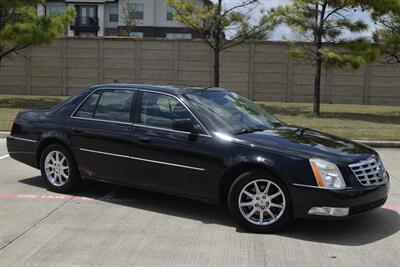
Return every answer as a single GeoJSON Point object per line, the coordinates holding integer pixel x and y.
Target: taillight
{"type": "Point", "coordinates": [13, 124]}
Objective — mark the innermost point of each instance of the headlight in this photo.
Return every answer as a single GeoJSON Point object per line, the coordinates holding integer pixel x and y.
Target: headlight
{"type": "Point", "coordinates": [383, 172]}
{"type": "Point", "coordinates": [327, 174]}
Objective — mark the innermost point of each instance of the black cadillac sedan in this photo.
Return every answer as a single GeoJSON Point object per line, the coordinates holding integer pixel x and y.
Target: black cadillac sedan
{"type": "Point", "coordinates": [207, 144]}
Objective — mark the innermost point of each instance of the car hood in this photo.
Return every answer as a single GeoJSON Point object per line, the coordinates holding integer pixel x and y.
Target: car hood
{"type": "Point", "coordinates": [307, 143]}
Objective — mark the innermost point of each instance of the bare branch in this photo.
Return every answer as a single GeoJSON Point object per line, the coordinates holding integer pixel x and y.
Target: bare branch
{"type": "Point", "coordinates": [195, 26]}
{"type": "Point", "coordinates": [14, 49]}
{"type": "Point", "coordinates": [239, 39]}
{"type": "Point", "coordinates": [334, 11]}
{"type": "Point", "coordinates": [239, 6]}
{"type": "Point", "coordinates": [187, 21]}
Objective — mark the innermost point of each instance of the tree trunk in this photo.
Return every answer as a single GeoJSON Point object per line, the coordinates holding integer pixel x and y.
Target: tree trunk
{"type": "Point", "coordinates": [318, 34]}
{"type": "Point", "coordinates": [317, 88]}
{"type": "Point", "coordinates": [217, 38]}
{"type": "Point", "coordinates": [216, 68]}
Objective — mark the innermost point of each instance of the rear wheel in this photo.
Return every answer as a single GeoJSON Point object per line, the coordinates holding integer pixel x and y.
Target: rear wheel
{"type": "Point", "coordinates": [58, 169]}
{"type": "Point", "coordinates": [259, 202]}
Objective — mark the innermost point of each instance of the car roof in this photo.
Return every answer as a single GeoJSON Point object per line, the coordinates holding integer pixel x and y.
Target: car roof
{"type": "Point", "coordinates": [170, 89]}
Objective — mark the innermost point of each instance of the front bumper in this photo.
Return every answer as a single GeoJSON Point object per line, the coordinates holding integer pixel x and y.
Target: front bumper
{"type": "Point", "coordinates": [358, 200]}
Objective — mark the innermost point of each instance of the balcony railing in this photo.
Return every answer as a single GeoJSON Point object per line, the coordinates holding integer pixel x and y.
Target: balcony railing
{"type": "Point", "coordinates": [86, 24]}
{"type": "Point", "coordinates": [87, 21]}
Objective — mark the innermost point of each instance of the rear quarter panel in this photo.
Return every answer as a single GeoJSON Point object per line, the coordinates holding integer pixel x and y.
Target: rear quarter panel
{"type": "Point", "coordinates": [24, 140]}
{"type": "Point", "coordinates": [33, 127]}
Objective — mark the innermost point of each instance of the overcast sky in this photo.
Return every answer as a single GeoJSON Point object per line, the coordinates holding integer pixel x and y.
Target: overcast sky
{"type": "Point", "coordinates": [284, 31]}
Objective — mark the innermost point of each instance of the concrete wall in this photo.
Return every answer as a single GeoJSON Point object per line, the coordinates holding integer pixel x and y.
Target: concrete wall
{"type": "Point", "coordinates": [260, 71]}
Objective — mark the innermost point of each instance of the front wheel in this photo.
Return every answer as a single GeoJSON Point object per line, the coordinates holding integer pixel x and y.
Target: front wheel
{"type": "Point", "coordinates": [259, 202]}
{"type": "Point", "coordinates": [58, 169]}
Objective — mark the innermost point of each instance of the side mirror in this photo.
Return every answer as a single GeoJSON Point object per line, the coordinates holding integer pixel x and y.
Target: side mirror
{"type": "Point", "coordinates": [184, 125]}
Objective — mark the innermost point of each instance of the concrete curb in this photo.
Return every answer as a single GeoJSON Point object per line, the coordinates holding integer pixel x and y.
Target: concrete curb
{"type": "Point", "coordinates": [377, 144]}
{"type": "Point", "coordinates": [4, 134]}
{"type": "Point", "coordinates": [380, 144]}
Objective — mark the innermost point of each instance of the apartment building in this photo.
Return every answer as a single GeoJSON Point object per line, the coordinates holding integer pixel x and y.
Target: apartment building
{"type": "Point", "coordinates": [152, 18]}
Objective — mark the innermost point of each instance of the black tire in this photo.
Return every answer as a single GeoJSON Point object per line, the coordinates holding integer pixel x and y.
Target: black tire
{"type": "Point", "coordinates": [74, 177]}
{"type": "Point", "coordinates": [283, 215]}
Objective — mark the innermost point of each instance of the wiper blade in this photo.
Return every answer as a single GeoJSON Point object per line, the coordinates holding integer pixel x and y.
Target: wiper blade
{"type": "Point", "coordinates": [249, 130]}
{"type": "Point", "coordinates": [277, 124]}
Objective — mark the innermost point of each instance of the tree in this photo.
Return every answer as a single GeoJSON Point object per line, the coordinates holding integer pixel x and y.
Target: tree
{"type": "Point", "coordinates": [20, 27]}
{"type": "Point", "coordinates": [325, 28]}
{"type": "Point", "coordinates": [388, 37]}
{"type": "Point", "coordinates": [263, 35]}
{"type": "Point", "coordinates": [129, 17]}
{"type": "Point", "coordinates": [215, 21]}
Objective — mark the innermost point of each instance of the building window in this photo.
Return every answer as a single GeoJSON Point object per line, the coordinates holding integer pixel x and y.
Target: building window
{"type": "Point", "coordinates": [55, 10]}
{"type": "Point", "coordinates": [136, 34]}
{"type": "Point", "coordinates": [170, 13]}
{"type": "Point", "coordinates": [114, 13]}
{"type": "Point", "coordinates": [138, 10]}
{"type": "Point", "coordinates": [186, 36]}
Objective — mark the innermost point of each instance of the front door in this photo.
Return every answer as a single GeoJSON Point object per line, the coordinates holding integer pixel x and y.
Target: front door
{"type": "Point", "coordinates": [101, 135]}
{"type": "Point", "coordinates": [169, 160]}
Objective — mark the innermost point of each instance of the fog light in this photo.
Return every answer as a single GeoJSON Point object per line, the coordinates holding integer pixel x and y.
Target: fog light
{"type": "Point", "coordinates": [328, 211]}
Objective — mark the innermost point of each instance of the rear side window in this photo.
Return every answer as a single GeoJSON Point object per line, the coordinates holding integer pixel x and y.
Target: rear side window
{"type": "Point", "coordinates": [109, 105]}
{"type": "Point", "coordinates": [115, 106]}
{"type": "Point", "coordinates": [87, 109]}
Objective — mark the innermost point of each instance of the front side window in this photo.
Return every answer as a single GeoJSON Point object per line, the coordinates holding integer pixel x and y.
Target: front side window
{"type": "Point", "coordinates": [160, 110]}
{"type": "Point", "coordinates": [114, 13]}
{"type": "Point", "coordinates": [88, 108]}
{"type": "Point", "coordinates": [109, 105]}
{"type": "Point", "coordinates": [230, 113]}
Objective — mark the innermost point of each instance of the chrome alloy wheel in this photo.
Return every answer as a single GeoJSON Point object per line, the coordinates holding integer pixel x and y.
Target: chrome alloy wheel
{"type": "Point", "coordinates": [262, 202]}
{"type": "Point", "coordinates": [56, 168]}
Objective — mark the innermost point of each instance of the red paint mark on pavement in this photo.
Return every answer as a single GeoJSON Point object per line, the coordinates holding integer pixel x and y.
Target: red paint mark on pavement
{"type": "Point", "coordinates": [392, 207]}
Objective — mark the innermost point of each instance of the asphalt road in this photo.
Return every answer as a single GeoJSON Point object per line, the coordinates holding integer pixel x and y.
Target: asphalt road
{"type": "Point", "coordinates": [105, 225]}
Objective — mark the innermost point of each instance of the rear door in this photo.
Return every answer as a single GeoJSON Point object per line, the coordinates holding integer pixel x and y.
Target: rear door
{"type": "Point", "coordinates": [101, 134]}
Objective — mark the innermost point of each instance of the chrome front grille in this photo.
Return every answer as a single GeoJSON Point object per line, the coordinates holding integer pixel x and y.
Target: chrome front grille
{"type": "Point", "coordinates": [370, 172]}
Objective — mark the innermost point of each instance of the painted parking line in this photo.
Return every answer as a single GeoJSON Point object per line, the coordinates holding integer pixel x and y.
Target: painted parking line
{"type": "Point", "coordinates": [5, 156]}
{"type": "Point", "coordinates": [109, 197]}
{"type": "Point", "coordinates": [41, 197]}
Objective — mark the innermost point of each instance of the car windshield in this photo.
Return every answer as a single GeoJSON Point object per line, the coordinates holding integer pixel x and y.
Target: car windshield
{"type": "Point", "coordinates": [230, 113]}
